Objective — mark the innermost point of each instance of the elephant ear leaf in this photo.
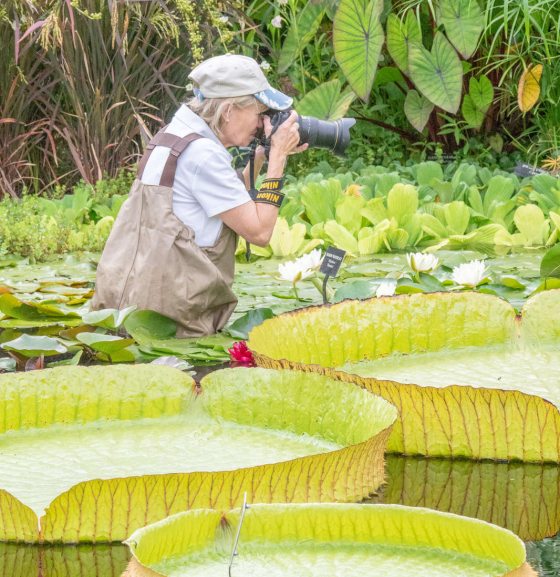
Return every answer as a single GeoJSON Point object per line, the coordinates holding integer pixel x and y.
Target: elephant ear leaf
{"type": "Point", "coordinates": [358, 38]}
{"type": "Point", "coordinates": [417, 109]}
{"type": "Point", "coordinates": [438, 73]}
{"type": "Point", "coordinates": [529, 88]}
{"type": "Point", "coordinates": [328, 101]}
{"type": "Point", "coordinates": [477, 102]}
{"type": "Point", "coordinates": [463, 21]}
{"type": "Point", "coordinates": [400, 35]}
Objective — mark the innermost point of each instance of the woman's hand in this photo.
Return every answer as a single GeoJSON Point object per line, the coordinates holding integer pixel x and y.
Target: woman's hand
{"type": "Point", "coordinates": [285, 140]}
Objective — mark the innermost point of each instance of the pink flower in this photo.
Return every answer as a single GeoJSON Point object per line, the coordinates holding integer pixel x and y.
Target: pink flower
{"type": "Point", "coordinates": [241, 354]}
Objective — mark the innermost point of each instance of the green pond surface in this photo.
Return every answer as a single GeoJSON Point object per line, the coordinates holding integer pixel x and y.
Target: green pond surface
{"type": "Point", "coordinates": [332, 560]}
{"type": "Point", "coordinates": [37, 465]}
{"type": "Point", "coordinates": [534, 370]}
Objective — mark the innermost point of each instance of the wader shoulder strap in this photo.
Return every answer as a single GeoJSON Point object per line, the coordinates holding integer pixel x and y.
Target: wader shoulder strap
{"type": "Point", "coordinates": [177, 144]}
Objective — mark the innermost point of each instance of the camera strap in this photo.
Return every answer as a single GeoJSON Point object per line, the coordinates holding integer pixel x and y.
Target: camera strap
{"type": "Point", "coordinates": [252, 190]}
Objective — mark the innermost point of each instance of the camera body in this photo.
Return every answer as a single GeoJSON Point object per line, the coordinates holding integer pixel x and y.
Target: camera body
{"type": "Point", "coordinates": [334, 135]}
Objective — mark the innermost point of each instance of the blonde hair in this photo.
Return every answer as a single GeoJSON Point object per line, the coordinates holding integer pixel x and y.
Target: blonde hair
{"type": "Point", "coordinates": [212, 110]}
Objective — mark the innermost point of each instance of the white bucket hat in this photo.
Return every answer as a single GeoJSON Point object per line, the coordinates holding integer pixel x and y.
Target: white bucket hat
{"type": "Point", "coordinates": [232, 75]}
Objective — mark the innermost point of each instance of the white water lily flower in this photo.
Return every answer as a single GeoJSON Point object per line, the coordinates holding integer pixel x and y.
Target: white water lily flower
{"type": "Point", "coordinates": [386, 288]}
{"type": "Point", "coordinates": [265, 65]}
{"type": "Point", "coordinates": [422, 262]}
{"type": "Point", "coordinates": [470, 273]}
{"type": "Point", "coordinates": [312, 260]}
{"type": "Point", "coordinates": [293, 271]}
{"type": "Point", "coordinates": [277, 22]}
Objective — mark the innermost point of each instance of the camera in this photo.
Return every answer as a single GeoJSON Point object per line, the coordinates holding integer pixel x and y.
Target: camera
{"type": "Point", "coordinates": [334, 135]}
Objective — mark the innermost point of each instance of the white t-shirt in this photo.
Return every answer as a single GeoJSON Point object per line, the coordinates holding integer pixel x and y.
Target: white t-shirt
{"type": "Point", "coordinates": [205, 182]}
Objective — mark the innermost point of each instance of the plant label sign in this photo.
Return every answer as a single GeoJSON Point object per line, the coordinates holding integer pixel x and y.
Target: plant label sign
{"type": "Point", "coordinates": [332, 260]}
{"type": "Point", "coordinates": [523, 169]}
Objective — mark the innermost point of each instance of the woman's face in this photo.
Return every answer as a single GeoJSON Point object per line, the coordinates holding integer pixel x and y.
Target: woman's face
{"type": "Point", "coordinates": [241, 125]}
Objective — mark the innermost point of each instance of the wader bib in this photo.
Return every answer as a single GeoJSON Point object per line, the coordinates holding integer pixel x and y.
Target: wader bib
{"type": "Point", "coordinates": [151, 259]}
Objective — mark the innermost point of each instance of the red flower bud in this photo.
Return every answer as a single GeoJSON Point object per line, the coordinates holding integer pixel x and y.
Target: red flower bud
{"type": "Point", "coordinates": [241, 354]}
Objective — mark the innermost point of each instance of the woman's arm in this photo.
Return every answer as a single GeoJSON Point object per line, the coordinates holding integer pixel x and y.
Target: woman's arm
{"type": "Point", "coordinates": [255, 221]}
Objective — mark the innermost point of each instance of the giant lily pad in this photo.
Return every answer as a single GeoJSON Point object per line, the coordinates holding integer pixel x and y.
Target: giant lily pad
{"type": "Point", "coordinates": [102, 451]}
{"type": "Point", "coordinates": [515, 419]}
{"type": "Point", "coordinates": [327, 540]}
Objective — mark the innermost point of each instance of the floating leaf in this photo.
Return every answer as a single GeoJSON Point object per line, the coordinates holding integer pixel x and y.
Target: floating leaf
{"type": "Point", "coordinates": [13, 307]}
{"type": "Point", "coordinates": [33, 346]}
{"type": "Point", "coordinates": [357, 39]}
{"type": "Point", "coordinates": [529, 88]}
{"type": "Point", "coordinates": [241, 327]}
{"type": "Point", "coordinates": [118, 447]}
{"type": "Point", "coordinates": [364, 539]}
{"type": "Point", "coordinates": [144, 326]}
{"type": "Point", "coordinates": [437, 74]}
{"type": "Point", "coordinates": [550, 264]}
{"type": "Point", "coordinates": [507, 421]}
{"type": "Point", "coordinates": [104, 343]}
{"type": "Point", "coordinates": [107, 318]}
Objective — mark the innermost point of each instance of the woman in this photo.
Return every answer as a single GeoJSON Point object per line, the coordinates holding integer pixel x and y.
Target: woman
{"type": "Point", "coordinates": [172, 247]}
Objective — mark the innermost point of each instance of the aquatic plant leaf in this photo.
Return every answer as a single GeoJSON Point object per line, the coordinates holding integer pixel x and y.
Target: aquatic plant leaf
{"type": "Point", "coordinates": [108, 318]}
{"type": "Point", "coordinates": [357, 40]}
{"type": "Point", "coordinates": [145, 326]}
{"type": "Point", "coordinates": [105, 450]}
{"type": "Point", "coordinates": [440, 420]}
{"type": "Point", "coordinates": [241, 327]}
{"type": "Point", "coordinates": [359, 535]}
{"type": "Point", "coordinates": [34, 346]}
{"type": "Point", "coordinates": [550, 264]}
{"type": "Point", "coordinates": [108, 344]}
{"type": "Point", "coordinates": [15, 308]}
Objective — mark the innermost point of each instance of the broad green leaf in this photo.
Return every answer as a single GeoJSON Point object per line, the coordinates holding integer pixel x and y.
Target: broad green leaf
{"type": "Point", "coordinates": [426, 172]}
{"type": "Point", "coordinates": [522, 497]}
{"type": "Point", "coordinates": [463, 21]}
{"type": "Point", "coordinates": [348, 212]}
{"type": "Point", "coordinates": [457, 216]}
{"type": "Point", "coordinates": [118, 447]}
{"type": "Point", "coordinates": [341, 237]}
{"type": "Point", "coordinates": [145, 326]}
{"type": "Point", "coordinates": [532, 225]}
{"type": "Point", "coordinates": [471, 113]}
{"type": "Point", "coordinates": [402, 202]}
{"type": "Point", "coordinates": [498, 418]}
{"type": "Point", "coordinates": [302, 30]}
{"type": "Point", "coordinates": [360, 289]}
{"type": "Point", "coordinates": [319, 200]}
{"type": "Point", "coordinates": [357, 39]}
{"type": "Point", "coordinates": [550, 264]}
{"type": "Point", "coordinates": [33, 346]}
{"type": "Point", "coordinates": [400, 35]}
{"type": "Point", "coordinates": [107, 318]}
{"type": "Point", "coordinates": [417, 109]}
{"type": "Point", "coordinates": [482, 92]}
{"type": "Point", "coordinates": [286, 240]}
{"type": "Point", "coordinates": [437, 74]}
{"type": "Point", "coordinates": [108, 344]}
{"type": "Point", "coordinates": [328, 101]}
{"type": "Point", "coordinates": [320, 538]}
{"type": "Point", "coordinates": [241, 327]}
{"type": "Point", "coordinates": [13, 307]}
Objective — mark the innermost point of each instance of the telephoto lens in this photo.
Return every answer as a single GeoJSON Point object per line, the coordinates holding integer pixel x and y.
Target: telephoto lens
{"type": "Point", "coordinates": [334, 135]}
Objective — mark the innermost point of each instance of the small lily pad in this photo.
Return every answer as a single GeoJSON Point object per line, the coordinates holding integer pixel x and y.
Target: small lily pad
{"type": "Point", "coordinates": [32, 346]}
{"type": "Point", "coordinates": [108, 344]}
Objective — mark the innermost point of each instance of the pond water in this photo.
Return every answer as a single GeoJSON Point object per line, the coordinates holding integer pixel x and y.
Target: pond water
{"type": "Point", "coordinates": [522, 497]}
